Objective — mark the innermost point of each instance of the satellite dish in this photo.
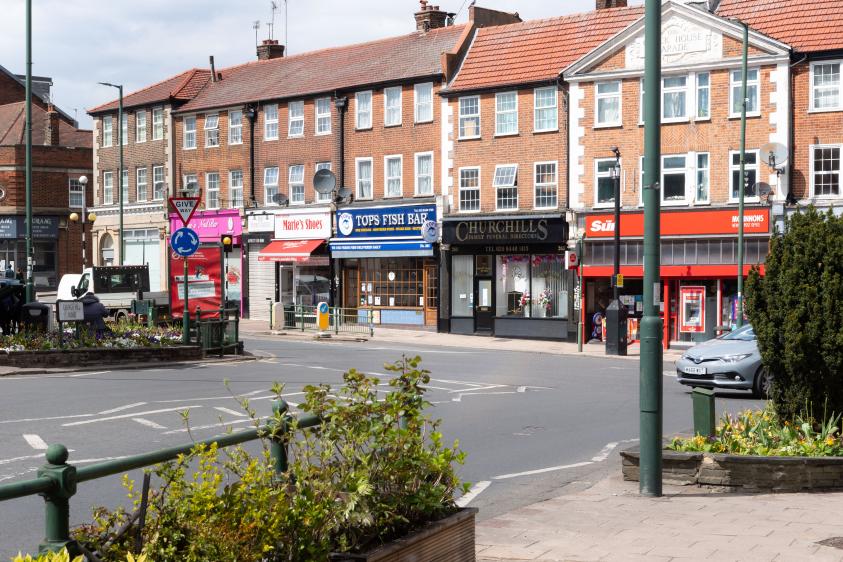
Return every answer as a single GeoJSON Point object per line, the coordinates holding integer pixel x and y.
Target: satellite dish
{"type": "Point", "coordinates": [280, 199]}
{"type": "Point", "coordinates": [774, 154]}
{"type": "Point", "coordinates": [324, 181]}
{"type": "Point", "coordinates": [191, 189]}
{"type": "Point", "coordinates": [762, 189]}
{"type": "Point", "coordinates": [344, 193]}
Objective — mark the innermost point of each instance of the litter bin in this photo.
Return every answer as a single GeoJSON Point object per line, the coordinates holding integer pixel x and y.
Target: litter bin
{"type": "Point", "coordinates": [704, 412]}
{"type": "Point", "coordinates": [35, 317]}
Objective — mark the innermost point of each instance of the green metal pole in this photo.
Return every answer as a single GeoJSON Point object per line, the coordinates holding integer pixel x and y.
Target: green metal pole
{"type": "Point", "coordinates": [57, 500]}
{"type": "Point", "coordinates": [651, 325]}
{"type": "Point", "coordinates": [185, 321]}
{"type": "Point", "coordinates": [30, 285]}
{"type": "Point", "coordinates": [278, 443]}
{"type": "Point", "coordinates": [578, 305]}
{"type": "Point", "coordinates": [120, 136]}
{"type": "Point", "coordinates": [742, 178]}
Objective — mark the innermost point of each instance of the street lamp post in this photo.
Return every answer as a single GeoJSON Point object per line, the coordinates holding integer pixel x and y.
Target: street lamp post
{"type": "Point", "coordinates": [742, 180]}
{"type": "Point", "coordinates": [120, 165]}
{"type": "Point", "coordinates": [30, 284]}
{"type": "Point", "coordinates": [616, 311]}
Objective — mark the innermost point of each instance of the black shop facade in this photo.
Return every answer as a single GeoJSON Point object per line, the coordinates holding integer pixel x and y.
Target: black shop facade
{"type": "Point", "coordinates": [505, 276]}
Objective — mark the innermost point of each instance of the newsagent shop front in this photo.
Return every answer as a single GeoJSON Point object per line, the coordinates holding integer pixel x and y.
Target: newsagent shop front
{"type": "Point", "coordinates": [698, 290]}
{"type": "Point", "coordinates": [508, 277]}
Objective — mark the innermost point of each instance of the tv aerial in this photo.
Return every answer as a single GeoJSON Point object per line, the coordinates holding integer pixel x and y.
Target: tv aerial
{"type": "Point", "coordinates": [775, 156]}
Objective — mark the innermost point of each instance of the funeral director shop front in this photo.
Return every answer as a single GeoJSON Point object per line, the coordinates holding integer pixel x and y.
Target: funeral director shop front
{"type": "Point", "coordinates": [508, 276]}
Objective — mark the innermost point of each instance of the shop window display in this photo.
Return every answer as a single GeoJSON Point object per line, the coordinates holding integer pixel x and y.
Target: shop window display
{"type": "Point", "coordinates": [531, 286]}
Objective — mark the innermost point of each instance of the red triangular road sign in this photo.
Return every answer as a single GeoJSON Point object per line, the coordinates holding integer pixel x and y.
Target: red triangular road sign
{"type": "Point", "coordinates": [185, 207]}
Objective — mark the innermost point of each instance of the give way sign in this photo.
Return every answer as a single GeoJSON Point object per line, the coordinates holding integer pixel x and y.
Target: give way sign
{"type": "Point", "coordinates": [185, 207]}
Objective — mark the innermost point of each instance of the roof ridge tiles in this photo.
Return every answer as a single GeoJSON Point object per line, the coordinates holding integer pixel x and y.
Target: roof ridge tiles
{"type": "Point", "coordinates": [102, 106]}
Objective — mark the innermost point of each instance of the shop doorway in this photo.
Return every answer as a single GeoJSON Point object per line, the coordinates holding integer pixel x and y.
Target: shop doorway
{"type": "Point", "coordinates": [485, 310]}
{"type": "Point", "coordinates": [431, 293]}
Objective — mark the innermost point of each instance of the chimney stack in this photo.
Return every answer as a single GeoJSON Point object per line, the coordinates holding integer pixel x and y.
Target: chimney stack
{"type": "Point", "coordinates": [51, 126]}
{"type": "Point", "coordinates": [270, 49]}
{"type": "Point", "coordinates": [430, 17]}
{"type": "Point", "coordinates": [603, 4]}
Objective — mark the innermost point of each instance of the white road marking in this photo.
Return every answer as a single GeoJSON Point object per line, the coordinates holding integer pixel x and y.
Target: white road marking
{"type": "Point", "coordinates": [124, 416]}
{"type": "Point", "coordinates": [35, 441]}
{"type": "Point", "coordinates": [227, 397]}
{"type": "Point", "coordinates": [148, 423]}
{"type": "Point", "coordinates": [18, 474]}
{"type": "Point", "coordinates": [604, 452]}
{"type": "Point", "coordinates": [23, 420]}
{"type": "Point", "coordinates": [89, 374]}
{"type": "Point", "coordinates": [475, 491]}
{"type": "Point", "coordinates": [121, 408]}
{"type": "Point", "coordinates": [671, 374]}
{"type": "Point", "coordinates": [541, 470]}
{"type": "Point", "coordinates": [473, 389]}
{"type": "Point", "coordinates": [25, 458]}
{"type": "Point", "coordinates": [209, 426]}
{"type": "Point", "coordinates": [230, 412]}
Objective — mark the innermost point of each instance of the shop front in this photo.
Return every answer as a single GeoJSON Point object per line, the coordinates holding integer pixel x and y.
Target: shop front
{"type": "Point", "coordinates": [293, 267]}
{"type": "Point", "coordinates": [698, 289]}
{"type": "Point", "coordinates": [387, 264]}
{"type": "Point", "coordinates": [145, 239]}
{"type": "Point", "coordinates": [211, 226]}
{"type": "Point", "coordinates": [45, 242]}
{"type": "Point", "coordinates": [508, 276]}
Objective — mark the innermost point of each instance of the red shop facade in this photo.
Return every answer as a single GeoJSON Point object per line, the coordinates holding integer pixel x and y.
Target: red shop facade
{"type": "Point", "coordinates": [699, 256]}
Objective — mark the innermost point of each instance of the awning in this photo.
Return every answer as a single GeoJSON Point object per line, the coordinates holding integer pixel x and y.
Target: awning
{"type": "Point", "coordinates": [377, 249]}
{"type": "Point", "coordinates": [289, 250]}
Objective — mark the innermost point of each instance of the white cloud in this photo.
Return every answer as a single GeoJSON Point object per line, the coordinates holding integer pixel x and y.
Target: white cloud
{"type": "Point", "coordinates": [139, 42]}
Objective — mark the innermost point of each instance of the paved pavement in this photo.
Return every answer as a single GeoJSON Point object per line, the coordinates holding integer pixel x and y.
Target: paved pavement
{"type": "Point", "coordinates": [611, 521]}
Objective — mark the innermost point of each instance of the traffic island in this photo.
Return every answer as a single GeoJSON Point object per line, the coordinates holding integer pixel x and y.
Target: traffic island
{"type": "Point", "coordinates": [88, 357]}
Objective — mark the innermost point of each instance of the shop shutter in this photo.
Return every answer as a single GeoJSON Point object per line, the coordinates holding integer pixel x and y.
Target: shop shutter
{"type": "Point", "coordinates": [261, 284]}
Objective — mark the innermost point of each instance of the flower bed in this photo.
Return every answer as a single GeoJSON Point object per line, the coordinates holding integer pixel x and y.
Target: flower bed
{"type": "Point", "coordinates": [120, 336]}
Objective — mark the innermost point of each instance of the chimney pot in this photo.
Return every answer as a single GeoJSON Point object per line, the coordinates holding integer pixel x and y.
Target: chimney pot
{"type": "Point", "coordinates": [604, 4]}
{"type": "Point", "coordinates": [51, 126]}
{"type": "Point", "coordinates": [270, 49]}
{"type": "Point", "coordinates": [430, 17]}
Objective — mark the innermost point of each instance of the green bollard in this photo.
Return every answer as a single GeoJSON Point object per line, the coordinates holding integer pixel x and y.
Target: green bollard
{"type": "Point", "coordinates": [704, 413]}
{"type": "Point", "coordinates": [57, 501]}
{"type": "Point", "coordinates": [278, 444]}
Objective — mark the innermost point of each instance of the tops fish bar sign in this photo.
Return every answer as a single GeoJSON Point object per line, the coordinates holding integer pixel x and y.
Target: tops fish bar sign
{"type": "Point", "coordinates": [682, 223]}
{"type": "Point", "coordinates": [384, 222]}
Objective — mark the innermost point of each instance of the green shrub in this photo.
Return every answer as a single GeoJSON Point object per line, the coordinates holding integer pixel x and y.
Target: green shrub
{"type": "Point", "coordinates": [796, 309]}
{"type": "Point", "coordinates": [375, 468]}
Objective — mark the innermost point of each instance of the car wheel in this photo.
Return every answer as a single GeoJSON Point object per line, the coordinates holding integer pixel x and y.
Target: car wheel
{"type": "Point", "coordinates": [762, 383]}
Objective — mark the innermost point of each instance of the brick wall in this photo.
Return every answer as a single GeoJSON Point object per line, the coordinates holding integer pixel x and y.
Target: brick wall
{"type": "Point", "coordinates": [524, 149]}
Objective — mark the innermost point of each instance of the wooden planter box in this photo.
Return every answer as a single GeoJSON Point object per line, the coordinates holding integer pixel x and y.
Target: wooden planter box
{"type": "Point", "coordinates": [448, 540]}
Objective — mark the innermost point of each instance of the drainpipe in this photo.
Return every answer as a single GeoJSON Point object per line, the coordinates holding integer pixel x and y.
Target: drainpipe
{"type": "Point", "coordinates": [251, 112]}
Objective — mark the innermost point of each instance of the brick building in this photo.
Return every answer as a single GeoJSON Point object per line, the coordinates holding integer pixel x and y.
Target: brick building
{"type": "Point", "coordinates": [61, 154]}
{"type": "Point", "coordinates": [506, 183]}
{"type": "Point", "coordinates": [254, 138]}
{"type": "Point", "coordinates": [148, 173]}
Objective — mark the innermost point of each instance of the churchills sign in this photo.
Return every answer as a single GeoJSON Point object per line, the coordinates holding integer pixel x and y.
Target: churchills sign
{"type": "Point", "coordinates": [508, 231]}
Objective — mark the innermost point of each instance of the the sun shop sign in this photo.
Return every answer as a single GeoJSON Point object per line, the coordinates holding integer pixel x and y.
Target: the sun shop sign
{"type": "Point", "coordinates": [385, 222]}
{"type": "Point", "coordinates": [682, 223]}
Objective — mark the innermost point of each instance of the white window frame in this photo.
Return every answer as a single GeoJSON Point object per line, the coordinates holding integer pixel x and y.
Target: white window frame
{"type": "Point", "coordinates": [418, 177]}
{"type": "Point", "coordinates": [735, 112]}
{"type": "Point", "coordinates": [387, 122]}
{"type": "Point", "coordinates": [212, 133]}
{"type": "Point", "coordinates": [298, 119]}
{"type": "Point", "coordinates": [322, 117]}
{"type": "Point", "coordinates": [320, 197]}
{"type": "Point", "coordinates": [498, 113]}
{"type": "Point", "coordinates": [683, 91]}
{"type": "Point", "coordinates": [124, 130]}
{"type": "Point", "coordinates": [232, 190]}
{"type": "Point", "coordinates": [212, 192]}
{"type": "Point", "coordinates": [235, 127]}
{"type": "Point", "coordinates": [387, 177]}
{"type": "Point", "coordinates": [270, 122]}
{"type": "Point", "coordinates": [812, 87]}
{"type": "Point", "coordinates": [359, 123]}
{"type": "Point", "coordinates": [687, 170]}
{"type": "Point", "coordinates": [697, 170]}
{"type": "Point", "coordinates": [158, 194]}
{"type": "Point", "coordinates": [107, 131]}
{"type": "Point", "coordinates": [812, 158]}
{"type": "Point", "coordinates": [512, 186]}
{"type": "Point", "coordinates": [268, 185]}
{"type": "Point", "coordinates": [737, 167]}
{"type": "Point", "coordinates": [467, 116]}
{"type": "Point", "coordinates": [140, 129]}
{"type": "Point", "coordinates": [292, 186]}
{"type": "Point", "coordinates": [597, 176]}
{"type": "Point", "coordinates": [189, 133]}
{"type": "Point", "coordinates": [138, 195]}
{"type": "Point", "coordinates": [157, 123]}
{"type": "Point", "coordinates": [461, 189]}
{"type": "Point", "coordinates": [698, 89]}
{"type": "Point", "coordinates": [125, 178]}
{"type": "Point", "coordinates": [537, 185]}
{"type": "Point", "coordinates": [420, 104]}
{"type": "Point", "coordinates": [357, 180]}
{"type": "Point", "coordinates": [108, 188]}
{"type": "Point", "coordinates": [75, 189]}
{"type": "Point", "coordinates": [554, 107]}
{"type": "Point", "coordinates": [598, 96]}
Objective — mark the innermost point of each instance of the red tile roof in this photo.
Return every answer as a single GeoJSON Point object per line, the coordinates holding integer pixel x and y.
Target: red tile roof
{"type": "Point", "coordinates": [393, 59]}
{"type": "Point", "coordinates": [12, 130]}
{"type": "Point", "coordinates": [538, 50]}
{"type": "Point", "coordinates": [180, 87]}
{"type": "Point", "coordinates": [807, 26]}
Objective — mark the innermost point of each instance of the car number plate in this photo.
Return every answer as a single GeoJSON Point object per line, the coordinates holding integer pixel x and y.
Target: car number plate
{"type": "Point", "coordinates": [695, 370]}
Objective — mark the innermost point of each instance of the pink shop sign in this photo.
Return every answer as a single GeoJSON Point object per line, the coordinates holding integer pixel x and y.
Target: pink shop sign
{"type": "Point", "coordinates": [211, 225]}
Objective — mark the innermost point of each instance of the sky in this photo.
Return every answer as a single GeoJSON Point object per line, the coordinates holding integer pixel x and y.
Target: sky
{"type": "Point", "coordinates": [79, 43]}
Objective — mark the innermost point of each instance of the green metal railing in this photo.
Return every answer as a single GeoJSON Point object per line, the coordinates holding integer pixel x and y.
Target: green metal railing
{"type": "Point", "coordinates": [341, 320]}
{"type": "Point", "coordinates": [57, 480]}
{"type": "Point", "coordinates": [220, 332]}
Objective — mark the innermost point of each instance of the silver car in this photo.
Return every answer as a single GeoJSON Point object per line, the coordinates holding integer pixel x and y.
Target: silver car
{"type": "Point", "coordinates": [730, 361]}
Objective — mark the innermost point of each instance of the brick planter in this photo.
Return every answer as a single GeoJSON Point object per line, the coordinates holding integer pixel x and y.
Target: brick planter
{"type": "Point", "coordinates": [745, 473]}
{"type": "Point", "coordinates": [450, 539]}
{"type": "Point", "coordinates": [99, 356]}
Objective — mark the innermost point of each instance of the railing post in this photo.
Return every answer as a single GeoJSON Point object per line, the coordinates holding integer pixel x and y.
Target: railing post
{"type": "Point", "coordinates": [301, 316]}
{"type": "Point", "coordinates": [371, 323]}
{"type": "Point", "coordinates": [337, 318]}
{"type": "Point", "coordinates": [57, 500]}
{"type": "Point", "coordinates": [278, 441]}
